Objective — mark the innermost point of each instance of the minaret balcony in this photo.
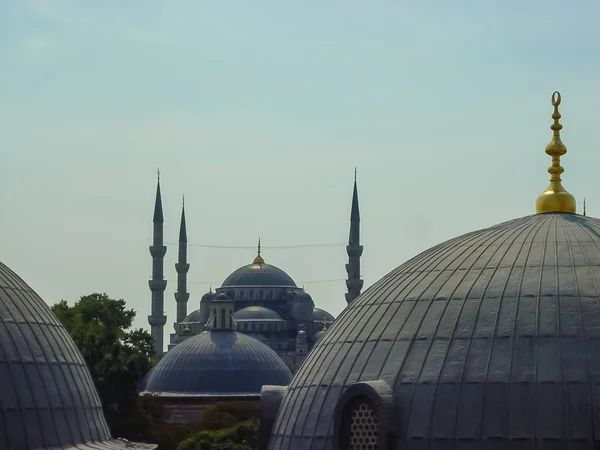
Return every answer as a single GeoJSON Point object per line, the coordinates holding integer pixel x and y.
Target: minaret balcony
{"type": "Point", "coordinates": [182, 267]}
{"type": "Point", "coordinates": [182, 297]}
{"type": "Point", "coordinates": [158, 251]}
{"type": "Point", "coordinates": [354, 250]}
{"type": "Point", "coordinates": [155, 321]}
{"type": "Point", "coordinates": [157, 285]}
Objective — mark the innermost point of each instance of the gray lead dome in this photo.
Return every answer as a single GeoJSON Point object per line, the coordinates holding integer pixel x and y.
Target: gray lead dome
{"type": "Point", "coordinates": [219, 362]}
{"type": "Point", "coordinates": [487, 341]}
{"type": "Point", "coordinates": [255, 274]}
{"type": "Point", "coordinates": [47, 396]}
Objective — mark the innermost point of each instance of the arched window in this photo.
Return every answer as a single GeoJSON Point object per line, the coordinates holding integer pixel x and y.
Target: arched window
{"type": "Point", "coordinates": [360, 425]}
{"type": "Point", "coordinates": [215, 319]}
{"type": "Point", "coordinates": [261, 294]}
{"type": "Point", "coordinates": [241, 295]}
{"type": "Point", "coordinates": [251, 294]}
{"type": "Point", "coordinates": [222, 317]}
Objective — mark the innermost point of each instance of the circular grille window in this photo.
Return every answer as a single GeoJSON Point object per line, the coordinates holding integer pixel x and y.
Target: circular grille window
{"type": "Point", "coordinates": [363, 427]}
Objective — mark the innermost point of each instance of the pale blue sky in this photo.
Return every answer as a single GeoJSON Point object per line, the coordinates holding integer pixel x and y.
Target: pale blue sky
{"type": "Point", "coordinates": [259, 111]}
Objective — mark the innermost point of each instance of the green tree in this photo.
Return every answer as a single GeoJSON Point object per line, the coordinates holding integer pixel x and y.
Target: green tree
{"type": "Point", "coordinates": [117, 356]}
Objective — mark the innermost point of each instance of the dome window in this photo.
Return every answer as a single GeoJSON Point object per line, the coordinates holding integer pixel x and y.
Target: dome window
{"type": "Point", "coordinates": [364, 417]}
{"type": "Point", "coordinates": [360, 426]}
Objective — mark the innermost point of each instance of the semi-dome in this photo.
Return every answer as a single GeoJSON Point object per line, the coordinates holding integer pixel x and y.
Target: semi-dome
{"type": "Point", "coordinates": [253, 313]}
{"type": "Point", "coordinates": [491, 339]}
{"type": "Point", "coordinates": [319, 314]}
{"type": "Point", "coordinates": [48, 399]}
{"type": "Point", "coordinates": [218, 362]}
{"type": "Point", "coordinates": [193, 317]}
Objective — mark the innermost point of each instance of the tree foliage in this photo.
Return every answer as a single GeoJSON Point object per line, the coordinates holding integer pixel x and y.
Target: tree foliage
{"type": "Point", "coordinates": [241, 436]}
{"type": "Point", "coordinates": [117, 356]}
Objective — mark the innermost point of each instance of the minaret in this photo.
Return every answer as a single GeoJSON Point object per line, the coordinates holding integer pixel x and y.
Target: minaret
{"type": "Point", "coordinates": [555, 199]}
{"type": "Point", "coordinates": [354, 250]}
{"type": "Point", "coordinates": [158, 284]}
{"type": "Point", "coordinates": [182, 267]}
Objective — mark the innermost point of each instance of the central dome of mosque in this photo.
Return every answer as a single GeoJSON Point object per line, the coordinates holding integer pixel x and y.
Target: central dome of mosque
{"type": "Point", "coordinates": [259, 273]}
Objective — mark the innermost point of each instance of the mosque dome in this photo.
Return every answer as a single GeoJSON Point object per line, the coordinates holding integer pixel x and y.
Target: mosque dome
{"type": "Point", "coordinates": [48, 399]}
{"type": "Point", "coordinates": [255, 313]}
{"type": "Point", "coordinates": [259, 273]}
{"type": "Point", "coordinates": [490, 340]}
{"type": "Point", "coordinates": [219, 362]}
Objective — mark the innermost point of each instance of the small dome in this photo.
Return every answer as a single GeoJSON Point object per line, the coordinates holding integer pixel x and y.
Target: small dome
{"type": "Point", "coordinates": [218, 362]}
{"type": "Point", "coordinates": [251, 313]}
{"type": "Point", "coordinates": [193, 317]}
{"type": "Point", "coordinates": [48, 399]}
{"type": "Point", "coordinates": [207, 297]}
{"type": "Point", "coordinates": [319, 313]}
{"type": "Point", "coordinates": [258, 275]}
{"type": "Point", "coordinates": [222, 297]}
{"type": "Point", "coordinates": [488, 340]}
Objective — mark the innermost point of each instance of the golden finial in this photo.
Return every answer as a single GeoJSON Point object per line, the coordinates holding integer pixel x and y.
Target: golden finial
{"type": "Point", "coordinates": [324, 323]}
{"type": "Point", "coordinates": [555, 198]}
{"type": "Point", "coordinates": [259, 259]}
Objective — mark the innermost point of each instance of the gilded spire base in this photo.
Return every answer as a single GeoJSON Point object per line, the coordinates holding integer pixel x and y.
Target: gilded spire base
{"type": "Point", "coordinates": [555, 199]}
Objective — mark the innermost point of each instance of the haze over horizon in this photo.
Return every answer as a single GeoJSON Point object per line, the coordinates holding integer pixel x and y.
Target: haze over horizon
{"type": "Point", "coordinates": [259, 113]}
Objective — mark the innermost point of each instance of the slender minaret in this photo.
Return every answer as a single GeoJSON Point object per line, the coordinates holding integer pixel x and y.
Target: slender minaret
{"type": "Point", "coordinates": [182, 267]}
{"type": "Point", "coordinates": [354, 250]}
{"type": "Point", "coordinates": [158, 284]}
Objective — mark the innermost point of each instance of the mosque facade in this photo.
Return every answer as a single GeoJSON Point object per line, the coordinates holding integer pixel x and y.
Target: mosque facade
{"type": "Point", "coordinates": [488, 341]}
{"type": "Point", "coordinates": [267, 304]}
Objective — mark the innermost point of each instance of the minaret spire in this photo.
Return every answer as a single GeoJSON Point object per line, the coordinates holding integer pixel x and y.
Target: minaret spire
{"type": "Point", "coordinates": [182, 267]}
{"type": "Point", "coordinates": [354, 283]}
{"type": "Point", "coordinates": [158, 284]}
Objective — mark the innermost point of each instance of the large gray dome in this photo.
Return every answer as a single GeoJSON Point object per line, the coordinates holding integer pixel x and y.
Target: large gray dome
{"type": "Point", "coordinates": [258, 274]}
{"type": "Point", "coordinates": [488, 341]}
{"type": "Point", "coordinates": [47, 396]}
{"type": "Point", "coordinates": [220, 362]}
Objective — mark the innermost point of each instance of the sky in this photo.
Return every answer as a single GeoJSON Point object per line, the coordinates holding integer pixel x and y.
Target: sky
{"type": "Point", "coordinates": [259, 112]}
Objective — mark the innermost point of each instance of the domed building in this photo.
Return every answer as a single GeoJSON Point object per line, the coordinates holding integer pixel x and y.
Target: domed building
{"type": "Point", "coordinates": [219, 365]}
{"type": "Point", "coordinates": [490, 340]}
{"type": "Point", "coordinates": [268, 304]}
{"type": "Point", "coordinates": [48, 399]}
